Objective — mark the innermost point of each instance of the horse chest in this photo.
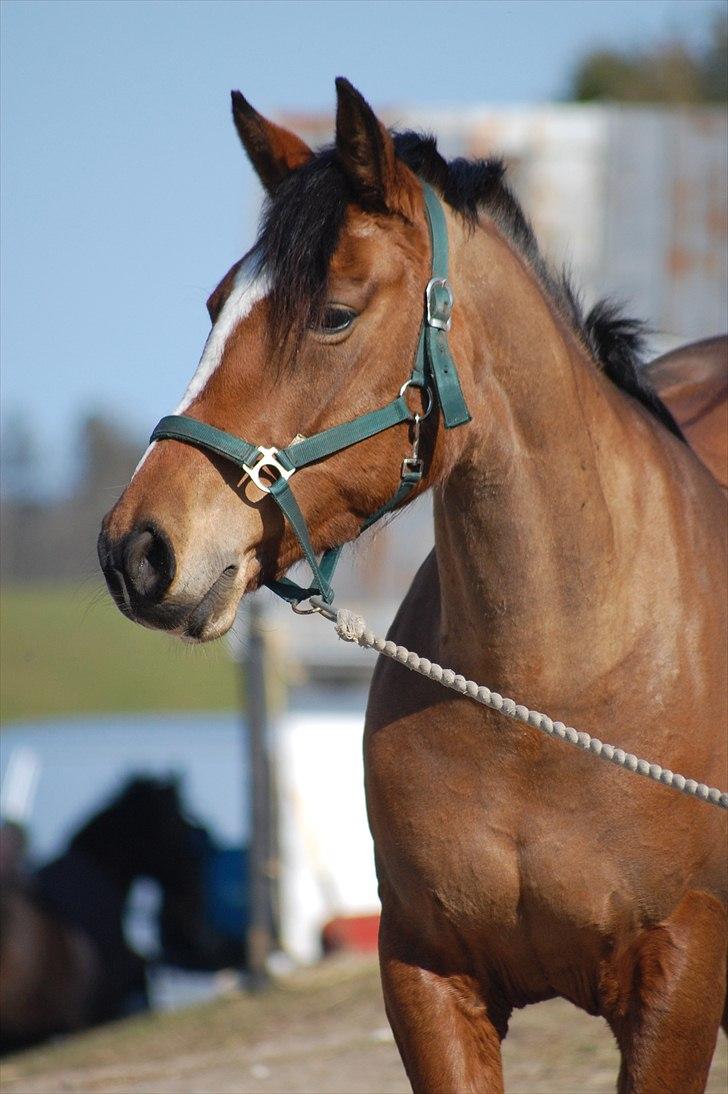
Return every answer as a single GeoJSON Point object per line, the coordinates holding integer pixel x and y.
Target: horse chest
{"type": "Point", "coordinates": [479, 873]}
{"type": "Point", "coordinates": [493, 906]}
{"type": "Point", "coordinates": [455, 856]}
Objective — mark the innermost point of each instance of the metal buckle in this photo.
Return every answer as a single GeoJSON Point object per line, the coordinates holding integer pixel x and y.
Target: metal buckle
{"type": "Point", "coordinates": [267, 459]}
{"type": "Point", "coordinates": [411, 465]}
{"type": "Point", "coordinates": [439, 312]}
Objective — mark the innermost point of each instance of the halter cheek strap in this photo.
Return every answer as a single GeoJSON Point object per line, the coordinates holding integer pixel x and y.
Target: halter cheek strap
{"type": "Point", "coordinates": [433, 368]}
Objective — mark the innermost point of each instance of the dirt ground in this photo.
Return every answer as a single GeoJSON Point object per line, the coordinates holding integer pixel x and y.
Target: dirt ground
{"type": "Point", "coordinates": [322, 1031]}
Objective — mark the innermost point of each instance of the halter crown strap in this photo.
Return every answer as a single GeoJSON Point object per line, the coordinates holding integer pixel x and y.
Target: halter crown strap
{"type": "Point", "coordinates": [433, 366]}
{"type": "Point", "coordinates": [439, 302]}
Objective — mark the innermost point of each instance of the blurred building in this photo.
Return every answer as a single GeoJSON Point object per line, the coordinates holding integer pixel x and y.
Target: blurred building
{"type": "Point", "coordinates": [632, 199]}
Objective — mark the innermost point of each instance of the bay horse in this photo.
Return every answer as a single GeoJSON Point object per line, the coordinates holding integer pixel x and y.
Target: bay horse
{"type": "Point", "coordinates": [579, 564]}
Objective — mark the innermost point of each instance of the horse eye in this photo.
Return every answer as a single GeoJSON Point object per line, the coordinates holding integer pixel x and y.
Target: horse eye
{"type": "Point", "coordinates": [335, 318]}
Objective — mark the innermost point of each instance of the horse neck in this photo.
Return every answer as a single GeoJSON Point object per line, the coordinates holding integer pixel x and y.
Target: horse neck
{"type": "Point", "coordinates": [532, 521]}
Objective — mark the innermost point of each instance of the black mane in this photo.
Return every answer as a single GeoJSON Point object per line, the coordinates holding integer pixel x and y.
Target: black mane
{"type": "Point", "coordinates": [303, 221]}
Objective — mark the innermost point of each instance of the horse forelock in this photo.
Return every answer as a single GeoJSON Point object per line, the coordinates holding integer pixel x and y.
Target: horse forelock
{"type": "Point", "coordinates": [299, 232]}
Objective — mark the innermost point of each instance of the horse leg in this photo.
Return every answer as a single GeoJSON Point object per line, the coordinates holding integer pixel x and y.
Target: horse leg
{"type": "Point", "coordinates": [668, 1030]}
{"type": "Point", "coordinates": [444, 1030]}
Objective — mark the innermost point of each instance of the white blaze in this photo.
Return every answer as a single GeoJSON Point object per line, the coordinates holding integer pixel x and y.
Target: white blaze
{"type": "Point", "coordinates": [247, 291]}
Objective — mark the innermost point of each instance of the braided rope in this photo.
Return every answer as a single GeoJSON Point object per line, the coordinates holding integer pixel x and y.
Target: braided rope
{"type": "Point", "coordinates": [352, 628]}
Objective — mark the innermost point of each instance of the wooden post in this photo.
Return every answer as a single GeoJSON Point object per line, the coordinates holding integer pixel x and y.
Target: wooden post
{"type": "Point", "coordinates": [259, 767]}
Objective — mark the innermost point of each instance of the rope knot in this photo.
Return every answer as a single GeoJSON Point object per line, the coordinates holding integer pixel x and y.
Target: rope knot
{"type": "Point", "coordinates": [349, 626]}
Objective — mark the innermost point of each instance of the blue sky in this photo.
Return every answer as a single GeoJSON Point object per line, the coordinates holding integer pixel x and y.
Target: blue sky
{"type": "Point", "coordinates": [125, 195]}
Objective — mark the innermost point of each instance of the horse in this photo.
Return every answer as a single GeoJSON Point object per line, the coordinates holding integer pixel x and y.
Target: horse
{"type": "Point", "coordinates": [693, 382]}
{"type": "Point", "coordinates": [64, 961]}
{"type": "Point", "coordinates": [579, 564]}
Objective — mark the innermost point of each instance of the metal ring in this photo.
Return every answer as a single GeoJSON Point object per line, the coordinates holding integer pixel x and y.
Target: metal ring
{"type": "Point", "coordinates": [430, 399]}
{"type": "Point", "coordinates": [303, 611]}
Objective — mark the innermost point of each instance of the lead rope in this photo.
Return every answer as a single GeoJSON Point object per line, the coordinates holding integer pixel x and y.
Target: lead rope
{"type": "Point", "coordinates": [352, 628]}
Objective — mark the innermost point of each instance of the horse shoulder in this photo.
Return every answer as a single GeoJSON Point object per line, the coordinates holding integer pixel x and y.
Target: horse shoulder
{"type": "Point", "coordinates": [429, 789]}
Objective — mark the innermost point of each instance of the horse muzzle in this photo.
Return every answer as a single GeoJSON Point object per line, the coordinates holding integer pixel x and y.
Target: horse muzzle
{"type": "Point", "coordinates": [140, 569]}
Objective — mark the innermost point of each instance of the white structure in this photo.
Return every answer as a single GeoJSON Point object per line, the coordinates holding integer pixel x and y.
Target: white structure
{"type": "Point", "coordinates": [325, 849]}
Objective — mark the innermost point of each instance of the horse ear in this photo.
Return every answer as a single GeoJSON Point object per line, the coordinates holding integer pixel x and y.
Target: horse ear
{"type": "Point", "coordinates": [366, 151]}
{"type": "Point", "coordinates": [273, 151]}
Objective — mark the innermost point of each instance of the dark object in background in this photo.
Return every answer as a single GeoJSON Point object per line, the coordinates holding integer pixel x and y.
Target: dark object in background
{"type": "Point", "coordinates": [13, 846]}
{"type": "Point", "coordinates": [64, 961]}
{"type": "Point", "coordinates": [205, 929]}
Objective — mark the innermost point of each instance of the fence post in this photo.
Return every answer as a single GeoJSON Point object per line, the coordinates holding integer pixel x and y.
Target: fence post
{"type": "Point", "coordinates": [259, 768]}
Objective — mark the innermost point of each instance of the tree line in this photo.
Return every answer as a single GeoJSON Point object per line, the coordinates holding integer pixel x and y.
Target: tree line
{"type": "Point", "coordinates": [55, 539]}
{"type": "Point", "coordinates": [671, 72]}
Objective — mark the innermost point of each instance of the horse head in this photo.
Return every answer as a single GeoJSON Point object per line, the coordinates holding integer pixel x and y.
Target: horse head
{"type": "Point", "coordinates": [143, 832]}
{"type": "Point", "coordinates": [317, 325]}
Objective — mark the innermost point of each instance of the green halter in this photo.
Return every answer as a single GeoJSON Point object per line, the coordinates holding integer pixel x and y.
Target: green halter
{"type": "Point", "coordinates": [433, 367]}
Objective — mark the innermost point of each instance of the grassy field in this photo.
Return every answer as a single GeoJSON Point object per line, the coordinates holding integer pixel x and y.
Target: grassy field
{"type": "Point", "coordinates": [65, 649]}
{"type": "Point", "coordinates": [320, 1030]}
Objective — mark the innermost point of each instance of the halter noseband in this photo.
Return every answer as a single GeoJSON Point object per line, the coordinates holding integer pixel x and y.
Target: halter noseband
{"type": "Point", "coordinates": [433, 367]}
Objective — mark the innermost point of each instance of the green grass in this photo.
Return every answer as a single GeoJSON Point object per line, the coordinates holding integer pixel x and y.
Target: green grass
{"type": "Point", "coordinates": [65, 649]}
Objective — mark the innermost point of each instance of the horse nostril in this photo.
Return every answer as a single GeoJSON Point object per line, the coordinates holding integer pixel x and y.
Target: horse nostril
{"type": "Point", "coordinates": [149, 562]}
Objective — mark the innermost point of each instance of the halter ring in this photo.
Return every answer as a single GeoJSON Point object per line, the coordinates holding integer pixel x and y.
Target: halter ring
{"type": "Point", "coordinates": [430, 400]}
{"type": "Point", "coordinates": [296, 607]}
